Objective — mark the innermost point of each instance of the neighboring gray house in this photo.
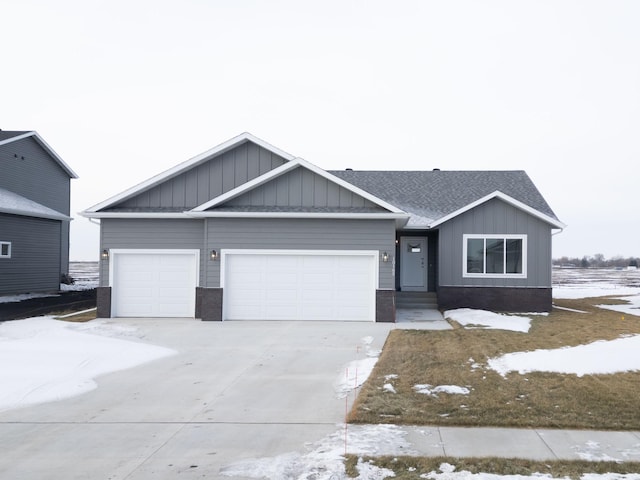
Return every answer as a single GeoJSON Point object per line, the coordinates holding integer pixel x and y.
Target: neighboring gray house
{"type": "Point", "coordinates": [34, 214]}
{"type": "Point", "coordinates": [246, 231]}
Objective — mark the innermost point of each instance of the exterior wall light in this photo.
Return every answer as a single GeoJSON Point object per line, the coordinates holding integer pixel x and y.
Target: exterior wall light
{"type": "Point", "coordinates": [105, 254]}
{"type": "Point", "coordinates": [213, 255]}
{"type": "Point", "coordinates": [385, 257]}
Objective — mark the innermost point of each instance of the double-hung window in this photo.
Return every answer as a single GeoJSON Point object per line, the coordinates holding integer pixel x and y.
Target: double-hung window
{"type": "Point", "coordinates": [495, 256]}
{"type": "Point", "coordinates": [5, 249]}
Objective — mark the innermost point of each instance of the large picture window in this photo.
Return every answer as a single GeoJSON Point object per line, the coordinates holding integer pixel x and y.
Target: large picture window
{"type": "Point", "coordinates": [495, 256]}
{"type": "Point", "coordinates": [5, 249]}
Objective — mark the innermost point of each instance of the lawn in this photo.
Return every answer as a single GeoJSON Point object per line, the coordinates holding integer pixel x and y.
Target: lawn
{"type": "Point", "coordinates": [459, 357]}
{"type": "Point", "coordinates": [415, 468]}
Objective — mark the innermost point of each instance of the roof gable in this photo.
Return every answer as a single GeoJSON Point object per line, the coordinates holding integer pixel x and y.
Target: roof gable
{"type": "Point", "coordinates": [505, 198]}
{"type": "Point", "coordinates": [7, 137]}
{"type": "Point", "coordinates": [431, 196]}
{"type": "Point", "coordinates": [284, 187]}
{"type": "Point", "coordinates": [200, 178]}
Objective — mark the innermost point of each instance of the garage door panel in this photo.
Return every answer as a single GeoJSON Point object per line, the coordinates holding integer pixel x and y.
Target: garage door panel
{"type": "Point", "coordinates": [307, 286]}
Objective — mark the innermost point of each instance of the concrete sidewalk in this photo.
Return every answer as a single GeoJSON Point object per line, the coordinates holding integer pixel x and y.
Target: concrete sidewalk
{"type": "Point", "coordinates": [533, 444]}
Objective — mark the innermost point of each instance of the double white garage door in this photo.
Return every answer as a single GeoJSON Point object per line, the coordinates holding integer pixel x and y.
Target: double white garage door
{"type": "Point", "coordinates": [257, 284]}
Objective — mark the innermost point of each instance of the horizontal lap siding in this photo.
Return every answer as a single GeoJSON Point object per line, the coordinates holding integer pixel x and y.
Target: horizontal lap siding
{"type": "Point", "coordinates": [301, 234]}
{"type": "Point", "coordinates": [34, 265]}
{"type": "Point", "coordinates": [34, 174]}
{"type": "Point", "coordinates": [150, 234]}
{"type": "Point", "coordinates": [495, 217]}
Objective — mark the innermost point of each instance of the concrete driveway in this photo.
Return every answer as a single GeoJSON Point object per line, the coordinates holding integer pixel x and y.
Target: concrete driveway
{"type": "Point", "coordinates": [236, 390]}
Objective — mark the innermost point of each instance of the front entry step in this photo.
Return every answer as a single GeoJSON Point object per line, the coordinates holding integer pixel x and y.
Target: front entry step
{"type": "Point", "coordinates": [417, 300]}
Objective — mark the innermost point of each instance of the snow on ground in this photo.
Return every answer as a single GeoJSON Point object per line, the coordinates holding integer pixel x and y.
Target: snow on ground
{"type": "Point", "coordinates": [356, 372]}
{"type": "Point", "coordinates": [448, 472]}
{"type": "Point", "coordinates": [592, 282]}
{"type": "Point", "coordinates": [323, 460]}
{"type": "Point", "coordinates": [433, 391]}
{"type": "Point", "coordinates": [601, 357]}
{"type": "Point", "coordinates": [24, 296]}
{"type": "Point", "coordinates": [58, 359]}
{"type": "Point", "coordinates": [84, 274]}
{"type": "Point", "coordinates": [483, 319]}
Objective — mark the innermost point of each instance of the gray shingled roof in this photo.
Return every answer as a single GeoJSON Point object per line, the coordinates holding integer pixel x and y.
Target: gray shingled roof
{"type": "Point", "coordinates": [432, 195]}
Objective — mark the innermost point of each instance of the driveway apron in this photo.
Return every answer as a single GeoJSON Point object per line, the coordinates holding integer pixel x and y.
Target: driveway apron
{"type": "Point", "coordinates": [234, 390]}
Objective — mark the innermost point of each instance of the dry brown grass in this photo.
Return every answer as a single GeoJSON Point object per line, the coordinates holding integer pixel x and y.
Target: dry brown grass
{"type": "Point", "coordinates": [410, 468]}
{"type": "Point", "coordinates": [542, 400]}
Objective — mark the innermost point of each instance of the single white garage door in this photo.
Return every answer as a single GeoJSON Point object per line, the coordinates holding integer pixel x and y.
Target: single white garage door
{"type": "Point", "coordinates": [154, 283]}
{"type": "Point", "coordinates": [299, 285]}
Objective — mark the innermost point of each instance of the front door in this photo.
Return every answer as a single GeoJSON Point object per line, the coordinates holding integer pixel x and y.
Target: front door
{"type": "Point", "coordinates": [413, 264]}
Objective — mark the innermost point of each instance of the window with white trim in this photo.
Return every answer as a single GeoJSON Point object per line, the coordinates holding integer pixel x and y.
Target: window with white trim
{"type": "Point", "coordinates": [5, 249]}
{"type": "Point", "coordinates": [495, 256]}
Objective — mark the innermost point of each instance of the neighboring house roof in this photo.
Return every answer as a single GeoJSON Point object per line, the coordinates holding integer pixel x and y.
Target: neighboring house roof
{"type": "Point", "coordinates": [15, 204]}
{"type": "Point", "coordinates": [7, 136]}
{"type": "Point", "coordinates": [433, 197]}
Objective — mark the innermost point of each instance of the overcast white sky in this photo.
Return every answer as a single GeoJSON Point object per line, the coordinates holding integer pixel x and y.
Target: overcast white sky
{"type": "Point", "coordinates": [123, 90]}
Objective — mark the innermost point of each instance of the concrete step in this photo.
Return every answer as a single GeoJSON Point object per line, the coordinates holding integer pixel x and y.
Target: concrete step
{"type": "Point", "coordinates": [424, 300]}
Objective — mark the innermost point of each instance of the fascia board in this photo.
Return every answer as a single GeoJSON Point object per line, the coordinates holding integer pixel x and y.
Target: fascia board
{"type": "Point", "coordinates": [44, 145]}
{"type": "Point", "coordinates": [52, 152]}
{"type": "Point", "coordinates": [334, 215]}
{"type": "Point", "coordinates": [505, 198]}
{"type": "Point", "coordinates": [399, 218]}
{"type": "Point", "coordinates": [88, 214]}
{"type": "Point", "coordinates": [350, 187]}
{"type": "Point", "coordinates": [186, 165]}
{"type": "Point", "coordinates": [251, 184]}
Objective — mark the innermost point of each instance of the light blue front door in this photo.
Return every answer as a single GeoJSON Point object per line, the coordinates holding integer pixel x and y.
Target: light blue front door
{"type": "Point", "coordinates": [413, 264]}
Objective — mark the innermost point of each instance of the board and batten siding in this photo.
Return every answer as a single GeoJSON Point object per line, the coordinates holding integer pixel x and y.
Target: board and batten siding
{"type": "Point", "coordinates": [301, 188]}
{"type": "Point", "coordinates": [208, 180]}
{"type": "Point", "coordinates": [495, 217]}
{"type": "Point", "coordinates": [150, 234]}
{"type": "Point", "coordinates": [34, 265]}
{"type": "Point", "coordinates": [301, 234]}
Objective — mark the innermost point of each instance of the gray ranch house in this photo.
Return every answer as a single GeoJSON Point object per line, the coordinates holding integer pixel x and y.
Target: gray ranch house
{"type": "Point", "coordinates": [246, 231]}
{"type": "Point", "coordinates": [35, 189]}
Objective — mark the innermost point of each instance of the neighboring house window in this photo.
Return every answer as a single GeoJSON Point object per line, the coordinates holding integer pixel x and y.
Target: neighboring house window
{"type": "Point", "coordinates": [5, 249]}
{"type": "Point", "coordinates": [495, 256]}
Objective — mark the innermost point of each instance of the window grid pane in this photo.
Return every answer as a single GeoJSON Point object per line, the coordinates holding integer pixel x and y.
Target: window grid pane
{"type": "Point", "coordinates": [514, 256]}
{"type": "Point", "coordinates": [475, 255]}
{"type": "Point", "coordinates": [495, 255]}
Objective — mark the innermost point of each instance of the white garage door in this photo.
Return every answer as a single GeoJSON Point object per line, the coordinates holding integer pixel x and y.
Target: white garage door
{"type": "Point", "coordinates": [154, 283]}
{"type": "Point", "coordinates": [299, 285]}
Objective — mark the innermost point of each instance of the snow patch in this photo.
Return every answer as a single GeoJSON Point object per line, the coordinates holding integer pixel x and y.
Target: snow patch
{"type": "Point", "coordinates": [601, 357]}
{"type": "Point", "coordinates": [324, 460]}
{"type": "Point", "coordinates": [52, 360]}
{"type": "Point", "coordinates": [484, 319]}
{"type": "Point", "coordinates": [433, 391]}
